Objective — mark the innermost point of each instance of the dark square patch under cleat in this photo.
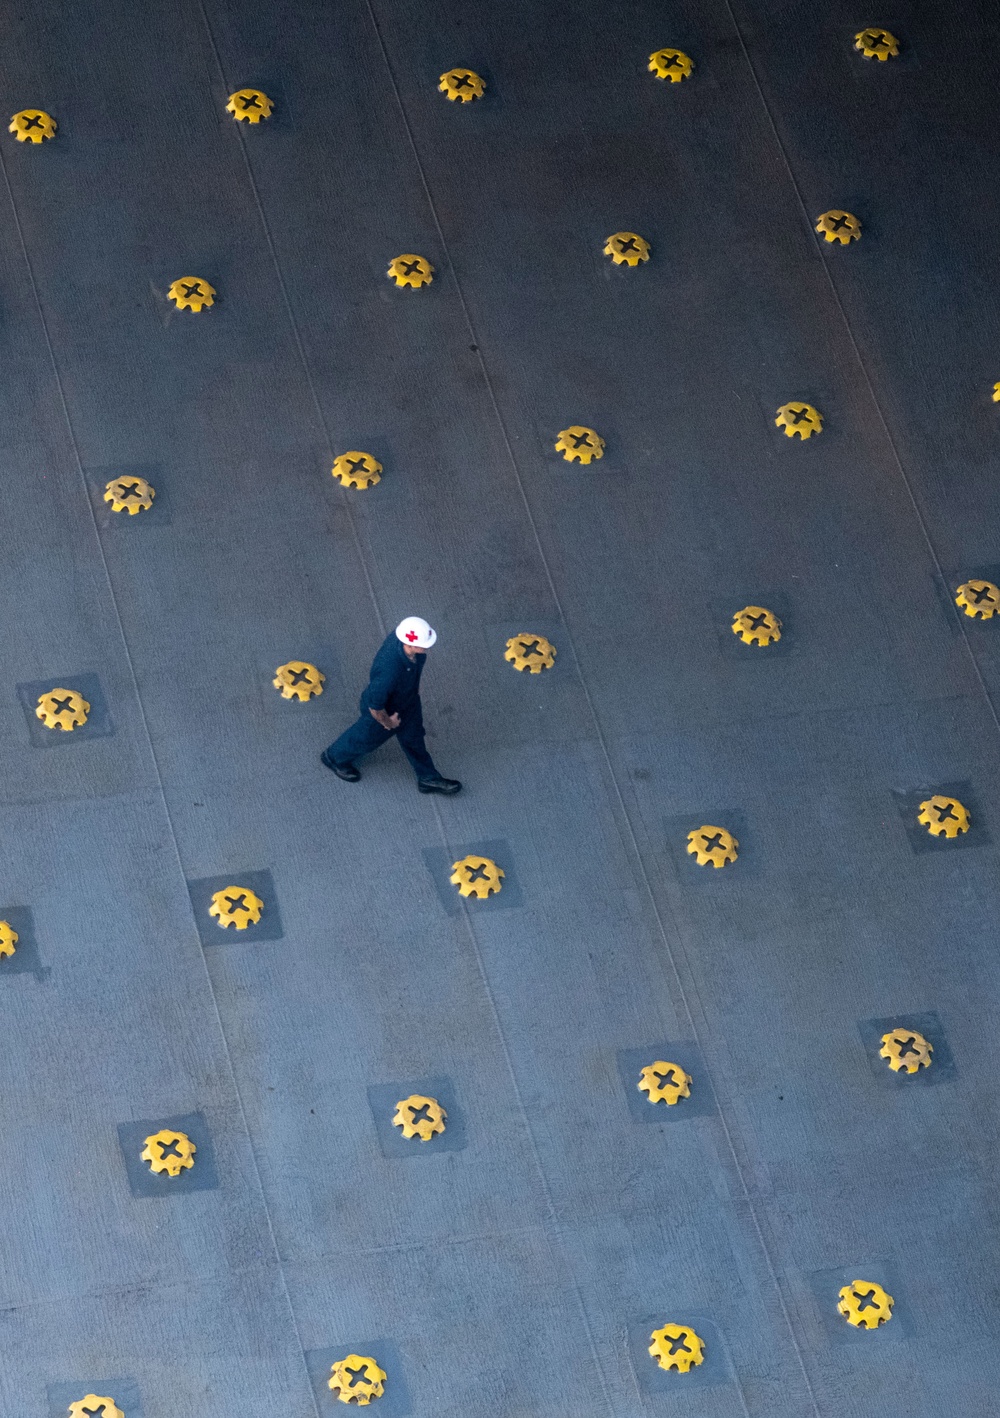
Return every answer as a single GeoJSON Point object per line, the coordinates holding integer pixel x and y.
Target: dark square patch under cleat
{"type": "Point", "coordinates": [448, 786]}
{"type": "Point", "coordinates": [347, 771]}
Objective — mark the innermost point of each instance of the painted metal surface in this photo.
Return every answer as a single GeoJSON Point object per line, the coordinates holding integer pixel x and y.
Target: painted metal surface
{"type": "Point", "coordinates": [524, 1271]}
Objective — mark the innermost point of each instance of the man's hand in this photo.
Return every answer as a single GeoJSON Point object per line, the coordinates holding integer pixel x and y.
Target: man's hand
{"type": "Point", "coordinates": [388, 721]}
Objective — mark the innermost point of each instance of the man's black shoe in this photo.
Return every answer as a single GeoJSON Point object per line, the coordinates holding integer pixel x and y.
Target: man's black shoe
{"type": "Point", "coordinates": [439, 785]}
{"type": "Point", "coordinates": [347, 771]}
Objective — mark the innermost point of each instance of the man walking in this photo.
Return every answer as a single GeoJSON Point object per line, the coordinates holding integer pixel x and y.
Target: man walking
{"type": "Point", "coordinates": [391, 705]}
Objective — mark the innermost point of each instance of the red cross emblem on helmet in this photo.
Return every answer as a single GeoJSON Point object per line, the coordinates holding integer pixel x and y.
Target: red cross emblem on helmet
{"type": "Point", "coordinates": [414, 630]}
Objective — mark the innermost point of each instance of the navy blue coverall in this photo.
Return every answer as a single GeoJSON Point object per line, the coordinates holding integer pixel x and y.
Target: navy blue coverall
{"type": "Point", "coordinates": [394, 685]}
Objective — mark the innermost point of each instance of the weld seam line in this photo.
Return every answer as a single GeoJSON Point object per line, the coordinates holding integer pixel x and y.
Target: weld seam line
{"type": "Point", "coordinates": [293, 323]}
{"type": "Point", "coordinates": [168, 817]}
{"type": "Point", "coordinates": [344, 501]}
{"type": "Point", "coordinates": [161, 790]}
{"type": "Point", "coordinates": [904, 478]}
{"type": "Point", "coordinates": [472, 935]}
{"type": "Point", "coordinates": [605, 752]}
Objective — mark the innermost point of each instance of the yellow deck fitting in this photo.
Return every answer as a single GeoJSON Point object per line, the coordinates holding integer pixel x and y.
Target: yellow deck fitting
{"type": "Point", "coordinates": [236, 906]}
{"type": "Point", "coordinates": [979, 599]}
{"type": "Point", "coordinates": [865, 1304]}
{"type": "Point", "coordinates": [249, 105]}
{"type": "Point", "coordinates": [530, 652]}
{"type": "Point", "coordinates": [93, 1406]}
{"type": "Point", "coordinates": [712, 845]}
{"type": "Point", "coordinates": [410, 270]}
{"type": "Point", "coordinates": [580, 445]}
{"type": "Point", "coordinates": [876, 44]}
{"type": "Point", "coordinates": [672, 64]}
{"type": "Point", "coordinates": [31, 125]}
{"type": "Point", "coordinates": [476, 876]}
{"type": "Point", "coordinates": [356, 469]}
{"type": "Point", "coordinates": [420, 1117]}
{"type": "Point", "coordinates": [906, 1051]}
{"type": "Point", "coordinates": [799, 420]}
{"type": "Point", "coordinates": [944, 817]}
{"type": "Point", "coordinates": [8, 938]}
{"type": "Point", "coordinates": [664, 1082]}
{"type": "Point", "coordinates": [62, 709]}
{"type": "Point", "coordinates": [192, 293]}
{"type": "Point", "coordinates": [356, 1379]}
{"type": "Point", "coordinates": [996, 393]}
{"type": "Point", "coordinates": [756, 626]}
{"type": "Point", "coordinates": [462, 84]}
{"type": "Point", "coordinates": [627, 248]}
{"type": "Point", "coordinates": [169, 1151]}
{"type": "Point", "coordinates": [129, 495]}
{"type": "Point", "coordinates": [298, 680]}
{"type": "Point", "coordinates": [676, 1346]}
{"type": "Point", "coordinates": [839, 226]}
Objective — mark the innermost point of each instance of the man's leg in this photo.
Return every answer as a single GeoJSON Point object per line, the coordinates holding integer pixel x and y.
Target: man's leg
{"type": "Point", "coordinates": [411, 740]}
{"type": "Point", "coordinates": [362, 737]}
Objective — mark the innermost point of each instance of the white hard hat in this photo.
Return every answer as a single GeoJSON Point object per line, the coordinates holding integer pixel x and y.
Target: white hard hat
{"type": "Point", "coordinates": [416, 632]}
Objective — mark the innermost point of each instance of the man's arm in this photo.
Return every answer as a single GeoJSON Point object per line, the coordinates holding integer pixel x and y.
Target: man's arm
{"type": "Point", "coordinates": [379, 687]}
